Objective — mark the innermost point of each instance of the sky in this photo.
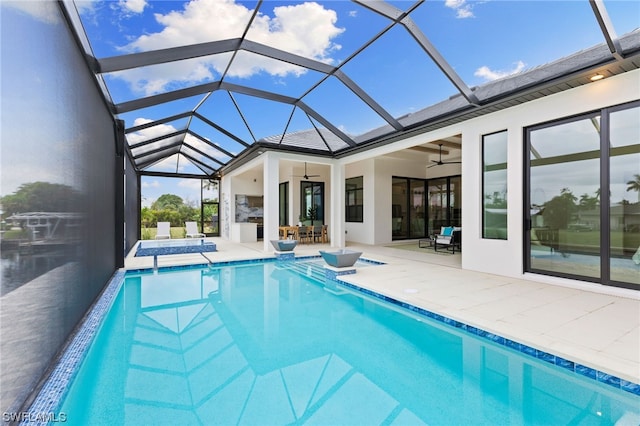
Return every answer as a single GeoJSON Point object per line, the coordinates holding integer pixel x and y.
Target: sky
{"type": "Point", "coordinates": [481, 40]}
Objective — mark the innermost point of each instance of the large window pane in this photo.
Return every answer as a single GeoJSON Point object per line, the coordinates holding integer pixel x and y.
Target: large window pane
{"type": "Point", "coordinates": [494, 186]}
{"type": "Point", "coordinates": [399, 188]}
{"type": "Point", "coordinates": [312, 203]}
{"type": "Point", "coordinates": [437, 190]}
{"type": "Point", "coordinates": [283, 204]}
{"type": "Point", "coordinates": [565, 198]}
{"type": "Point", "coordinates": [455, 201]}
{"type": "Point", "coordinates": [354, 199]}
{"type": "Point", "coordinates": [624, 187]}
{"type": "Point", "coordinates": [417, 205]}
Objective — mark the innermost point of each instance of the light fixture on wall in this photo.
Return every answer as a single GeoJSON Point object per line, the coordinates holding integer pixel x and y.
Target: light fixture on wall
{"type": "Point", "coordinates": [596, 77]}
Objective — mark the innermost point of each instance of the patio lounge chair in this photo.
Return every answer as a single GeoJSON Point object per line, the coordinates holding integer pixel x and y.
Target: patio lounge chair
{"type": "Point", "coordinates": [450, 237]}
{"type": "Point", "coordinates": [163, 231]}
{"type": "Point", "coordinates": [192, 230]}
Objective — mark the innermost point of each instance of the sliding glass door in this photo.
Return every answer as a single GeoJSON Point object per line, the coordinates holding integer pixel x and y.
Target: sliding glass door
{"type": "Point", "coordinates": [438, 205]}
{"type": "Point", "coordinates": [420, 207]}
{"type": "Point", "coordinates": [624, 201]}
{"type": "Point", "coordinates": [399, 208]}
{"type": "Point", "coordinates": [583, 195]}
{"type": "Point", "coordinates": [312, 203]}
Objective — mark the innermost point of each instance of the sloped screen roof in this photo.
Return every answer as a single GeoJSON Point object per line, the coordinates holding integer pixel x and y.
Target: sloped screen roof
{"type": "Point", "coordinates": [199, 83]}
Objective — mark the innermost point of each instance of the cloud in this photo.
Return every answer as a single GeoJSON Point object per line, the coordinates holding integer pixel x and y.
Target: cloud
{"type": "Point", "coordinates": [306, 29]}
{"type": "Point", "coordinates": [152, 184]}
{"type": "Point", "coordinates": [46, 11]}
{"type": "Point", "coordinates": [148, 133]}
{"type": "Point", "coordinates": [462, 8]}
{"type": "Point", "coordinates": [133, 6]}
{"type": "Point", "coordinates": [190, 183]}
{"type": "Point", "coordinates": [490, 75]}
{"type": "Point", "coordinates": [353, 13]}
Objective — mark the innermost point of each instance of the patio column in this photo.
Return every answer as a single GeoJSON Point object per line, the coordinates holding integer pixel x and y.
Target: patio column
{"type": "Point", "coordinates": [336, 226]}
{"type": "Point", "coordinates": [271, 178]}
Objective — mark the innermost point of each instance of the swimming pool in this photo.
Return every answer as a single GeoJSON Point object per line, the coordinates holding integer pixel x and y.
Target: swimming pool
{"type": "Point", "coordinates": [266, 343]}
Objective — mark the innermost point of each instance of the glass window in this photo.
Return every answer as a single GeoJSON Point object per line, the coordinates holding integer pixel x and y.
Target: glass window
{"type": "Point", "coordinates": [417, 205]}
{"type": "Point", "coordinates": [283, 204]}
{"type": "Point", "coordinates": [494, 186]}
{"type": "Point", "coordinates": [624, 199]}
{"type": "Point", "coordinates": [438, 204]}
{"type": "Point", "coordinates": [564, 195]}
{"type": "Point", "coordinates": [354, 199]}
{"type": "Point", "coordinates": [399, 188]}
{"type": "Point", "coordinates": [584, 197]}
{"type": "Point", "coordinates": [312, 203]}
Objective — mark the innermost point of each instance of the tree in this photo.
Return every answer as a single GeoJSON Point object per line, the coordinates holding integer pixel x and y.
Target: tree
{"type": "Point", "coordinates": [41, 197]}
{"type": "Point", "coordinates": [634, 185]}
{"type": "Point", "coordinates": [169, 208]}
{"type": "Point", "coordinates": [589, 203]}
{"type": "Point", "coordinates": [559, 210]}
{"type": "Point", "coordinates": [167, 202]}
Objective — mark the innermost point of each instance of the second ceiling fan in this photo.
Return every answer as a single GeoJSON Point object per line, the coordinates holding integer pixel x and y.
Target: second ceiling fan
{"type": "Point", "coordinates": [440, 162]}
{"type": "Point", "coordinates": [306, 175]}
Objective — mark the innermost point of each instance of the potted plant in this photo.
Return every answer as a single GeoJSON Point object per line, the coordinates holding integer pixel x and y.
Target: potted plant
{"type": "Point", "coordinates": [312, 213]}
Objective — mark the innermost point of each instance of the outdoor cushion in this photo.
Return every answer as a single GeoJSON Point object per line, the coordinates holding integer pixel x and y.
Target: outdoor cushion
{"type": "Point", "coordinates": [447, 231]}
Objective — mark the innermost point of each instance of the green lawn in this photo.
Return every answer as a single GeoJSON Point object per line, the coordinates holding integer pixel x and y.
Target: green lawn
{"type": "Point", "coordinates": [175, 231]}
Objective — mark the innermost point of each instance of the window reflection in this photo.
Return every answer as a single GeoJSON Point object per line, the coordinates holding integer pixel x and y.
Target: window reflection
{"type": "Point", "coordinates": [494, 184]}
{"type": "Point", "coordinates": [578, 230]}
{"type": "Point", "coordinates": [624, 208]}
{"type": "Point", "coordinates": [565, 198]}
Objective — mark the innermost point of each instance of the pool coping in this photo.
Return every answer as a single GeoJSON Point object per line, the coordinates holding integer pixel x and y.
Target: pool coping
{"type": "Point", "coordinates": [47, 402]}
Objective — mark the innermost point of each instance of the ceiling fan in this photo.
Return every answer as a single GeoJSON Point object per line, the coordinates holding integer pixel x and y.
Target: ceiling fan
{"type": "Point", "coordinates": [440, 162]}
{"type": "Point", "coordinates": [307, 176]}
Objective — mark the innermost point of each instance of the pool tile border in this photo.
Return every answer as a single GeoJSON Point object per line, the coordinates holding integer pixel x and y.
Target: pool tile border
{"type": "Point", "coordinates": [583, 370]}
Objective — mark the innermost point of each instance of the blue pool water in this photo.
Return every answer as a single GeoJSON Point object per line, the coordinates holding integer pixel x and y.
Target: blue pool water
{"type": "Point", "coordinates": [266, 344]}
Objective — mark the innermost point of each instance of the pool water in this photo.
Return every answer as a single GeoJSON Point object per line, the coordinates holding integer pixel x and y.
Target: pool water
{"type": "Point", "coordinates": [265, 344]}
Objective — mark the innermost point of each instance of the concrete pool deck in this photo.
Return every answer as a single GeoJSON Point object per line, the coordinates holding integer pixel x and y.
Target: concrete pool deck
{"type": "Point", "coordinates": [596, 327]}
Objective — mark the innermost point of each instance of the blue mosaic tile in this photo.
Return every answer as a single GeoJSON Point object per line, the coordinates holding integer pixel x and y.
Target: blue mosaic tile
{"type": "Point", "coordinates": [565, 363]}
{"type": "Point", "coordinates": [585, 371]}
{"type": "Point", "coordinates": [470, 329]}
{"type": "Point", "coordinates": [158, 251]}
{"type": "Point", "coordinates": [333, 275]}
{"type": "Point", "coordinates": [285, 256]}
{"type": "Point", "coordinates": [495, 338]}
{"type": "Point", "coordinates": [452, 322]}
{"type": "Point", "coordinates": [545, 356]}
{"type": "Point", "coordinates": [525, 349]}
{"type": "Point", "coordinates": [634, 388]}
{"type": "Point", "coordinates": [608, 379]}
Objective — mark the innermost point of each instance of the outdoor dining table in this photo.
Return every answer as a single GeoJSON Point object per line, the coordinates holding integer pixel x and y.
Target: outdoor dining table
{"type": "Point", "coordinates": [288, 232]}
{"type": "Point", "coordinates": [292, 232]}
